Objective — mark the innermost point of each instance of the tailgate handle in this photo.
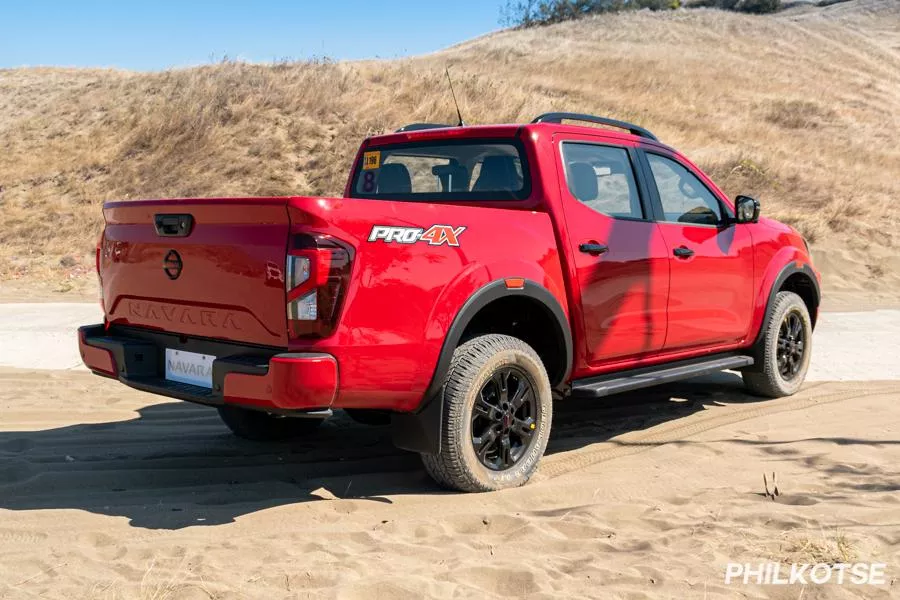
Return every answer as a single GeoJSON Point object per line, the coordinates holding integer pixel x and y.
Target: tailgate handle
{"type": "Point", "coordinates": [174, 225]}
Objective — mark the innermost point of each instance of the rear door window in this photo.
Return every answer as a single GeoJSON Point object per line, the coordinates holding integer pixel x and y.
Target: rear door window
{"type": "Point", "coordinates": [435, 171]}
{"type": "Point", "coordinates": [602, 178]}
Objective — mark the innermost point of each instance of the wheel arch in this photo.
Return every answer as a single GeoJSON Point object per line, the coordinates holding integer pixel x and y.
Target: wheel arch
{"type": "Point", "coordinates": [804, 285]}
{"type": "Point", "coordinates": [797, 277]}
{"type": "Point", "coordinates": [420, 431]}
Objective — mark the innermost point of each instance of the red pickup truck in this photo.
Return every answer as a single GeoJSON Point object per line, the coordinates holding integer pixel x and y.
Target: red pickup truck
{"type": "Point", "coordinates": [468, 278]}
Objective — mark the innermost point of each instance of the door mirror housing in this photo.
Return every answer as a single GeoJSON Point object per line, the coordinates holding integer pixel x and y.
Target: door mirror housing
{"type": "Point", "coordinates": [746, 209]}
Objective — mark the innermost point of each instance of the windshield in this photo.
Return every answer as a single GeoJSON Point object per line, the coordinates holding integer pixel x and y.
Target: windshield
{"type": "Point", "coordinates": [435, 171]}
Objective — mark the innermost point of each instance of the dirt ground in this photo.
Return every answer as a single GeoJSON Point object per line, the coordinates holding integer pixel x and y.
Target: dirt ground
{"type": "Point", "coordinates": [106, 492]}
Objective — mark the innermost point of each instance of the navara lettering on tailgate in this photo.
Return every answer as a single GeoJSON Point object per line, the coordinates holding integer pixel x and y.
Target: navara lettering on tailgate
{"type": "Point", "coordinates": [154, 311]}
{"type": "Point", "coordinates": [435, 235]}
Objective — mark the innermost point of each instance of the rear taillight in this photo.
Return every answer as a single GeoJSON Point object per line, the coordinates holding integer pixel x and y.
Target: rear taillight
{"type": "Point", "coordinates": [316, 277]}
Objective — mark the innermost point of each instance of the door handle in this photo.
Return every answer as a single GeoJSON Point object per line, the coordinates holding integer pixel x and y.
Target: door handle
{"type": "Point", "coordinates": [593, 248]}
{"type": "Point", "coordinates": [683, 252]}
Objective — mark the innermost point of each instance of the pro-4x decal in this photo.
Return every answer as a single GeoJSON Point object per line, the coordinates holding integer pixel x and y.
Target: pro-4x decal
{"type": "Point", "coordinates": [436, 235]}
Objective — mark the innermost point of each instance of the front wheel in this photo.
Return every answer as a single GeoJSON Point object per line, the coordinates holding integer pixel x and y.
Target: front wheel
{"type": "Point", "coordinates": [497, 415]}
{"type": "Point", "coordinates": [786, 349]}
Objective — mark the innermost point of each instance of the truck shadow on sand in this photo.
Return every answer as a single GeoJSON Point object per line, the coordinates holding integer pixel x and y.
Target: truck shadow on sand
{"type": "Point", "coordinates": [177, 466]}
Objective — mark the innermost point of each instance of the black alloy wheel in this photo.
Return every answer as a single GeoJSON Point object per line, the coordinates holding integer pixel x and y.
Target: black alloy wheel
{"type": "Point", "coordinates": [504, 418]}
{"type": "Point", "coordinates": [791, 345]}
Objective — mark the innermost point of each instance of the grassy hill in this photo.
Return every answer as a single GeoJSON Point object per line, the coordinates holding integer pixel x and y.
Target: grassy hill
{"type": "Point", "coordinates": [801, 109]}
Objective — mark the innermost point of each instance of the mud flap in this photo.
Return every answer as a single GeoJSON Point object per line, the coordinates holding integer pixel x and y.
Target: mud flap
{"type": "Point", "coordinates": [420, 431]}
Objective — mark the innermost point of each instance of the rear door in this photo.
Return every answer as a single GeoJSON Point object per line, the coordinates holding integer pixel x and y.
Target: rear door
{"type": "Point", "coordinates": [211, 268]}
{"type": "Point", "coordinates": [620, 255]}
{"type": "Point", "coordinates": [711, 284]}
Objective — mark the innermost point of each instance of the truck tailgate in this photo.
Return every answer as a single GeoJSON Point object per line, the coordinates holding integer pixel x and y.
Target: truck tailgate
{"type": "Point", "coordinates": [212, 268]}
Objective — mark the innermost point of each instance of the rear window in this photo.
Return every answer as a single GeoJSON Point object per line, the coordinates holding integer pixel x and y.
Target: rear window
{"type": "Point", "coordinates": [435, 171]}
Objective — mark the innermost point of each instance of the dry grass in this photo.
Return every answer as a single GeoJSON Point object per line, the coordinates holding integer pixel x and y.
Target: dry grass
{"type": "Point", "coordinates": [799, 114]}
{"type": "Point", "coordinates": [812, 548]}
{"type": "Point", "coordinates": [800, 109]}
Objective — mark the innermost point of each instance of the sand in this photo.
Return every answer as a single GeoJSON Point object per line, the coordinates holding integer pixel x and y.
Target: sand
{"type": "Point", "coordinates": [106, 492]}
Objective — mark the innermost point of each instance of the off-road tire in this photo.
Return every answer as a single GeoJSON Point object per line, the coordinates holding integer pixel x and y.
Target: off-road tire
{"type": "Point", "coordinates": [764, 378]}
{"type": "Point", "coordinates": [457, 466]}
{"type": "Point", "coordinates": [260, 426]}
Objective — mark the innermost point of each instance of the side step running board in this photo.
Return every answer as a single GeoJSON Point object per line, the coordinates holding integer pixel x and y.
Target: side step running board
{"type": "Point", "coordinates": [624, 381]}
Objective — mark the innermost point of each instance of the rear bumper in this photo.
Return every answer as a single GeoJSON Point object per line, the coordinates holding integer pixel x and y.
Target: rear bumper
{"type": "Point", "coordinates": [250, 376]}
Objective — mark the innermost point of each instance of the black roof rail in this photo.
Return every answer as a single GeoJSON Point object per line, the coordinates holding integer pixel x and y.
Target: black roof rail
{"type": "Point", "coordinates": [558, 117]}
{"type": "Point", "coordinates": [420, 126]}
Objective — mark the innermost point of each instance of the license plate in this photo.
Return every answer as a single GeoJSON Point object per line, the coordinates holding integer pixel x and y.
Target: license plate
{"type": "Point", "coordinates": [189, 367]}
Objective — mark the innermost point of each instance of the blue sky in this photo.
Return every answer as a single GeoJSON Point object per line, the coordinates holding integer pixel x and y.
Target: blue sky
{"type": "Point", "coordinates": [156, 34]}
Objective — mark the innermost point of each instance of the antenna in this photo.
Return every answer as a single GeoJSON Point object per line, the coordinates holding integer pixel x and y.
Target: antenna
{"type": "Point", "coordinates": [452, 93]}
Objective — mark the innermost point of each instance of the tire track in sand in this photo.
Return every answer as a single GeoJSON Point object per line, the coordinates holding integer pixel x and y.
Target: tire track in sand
{"type": "Point", "coordinates": [634, 442]}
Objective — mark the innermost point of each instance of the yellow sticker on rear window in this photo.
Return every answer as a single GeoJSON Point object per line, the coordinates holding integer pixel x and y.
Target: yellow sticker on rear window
{"type": "Point", "coordinates": [372, 160]}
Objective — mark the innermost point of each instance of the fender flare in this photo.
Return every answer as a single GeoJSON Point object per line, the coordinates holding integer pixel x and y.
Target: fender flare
{"type": "Point", "coordinates": [420, 431]}
{"type": "Point", "coordinates": [792, 268]}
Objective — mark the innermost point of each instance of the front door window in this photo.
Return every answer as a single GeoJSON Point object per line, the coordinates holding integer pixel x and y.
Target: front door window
{"type": "Point", "coordinates": [684, 198]}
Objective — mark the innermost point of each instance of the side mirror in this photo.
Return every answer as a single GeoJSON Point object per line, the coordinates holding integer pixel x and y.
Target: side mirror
{"type": "Point", "coordinates": [746, 209]}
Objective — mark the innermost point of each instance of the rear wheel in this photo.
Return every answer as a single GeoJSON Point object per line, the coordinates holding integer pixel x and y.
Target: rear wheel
{"type": "Point", "coordinates": [260, 426]}
{"type": "Point", "coordinates": [787, 345]}
{"type": "Point", "coordinates": [497, 416]}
